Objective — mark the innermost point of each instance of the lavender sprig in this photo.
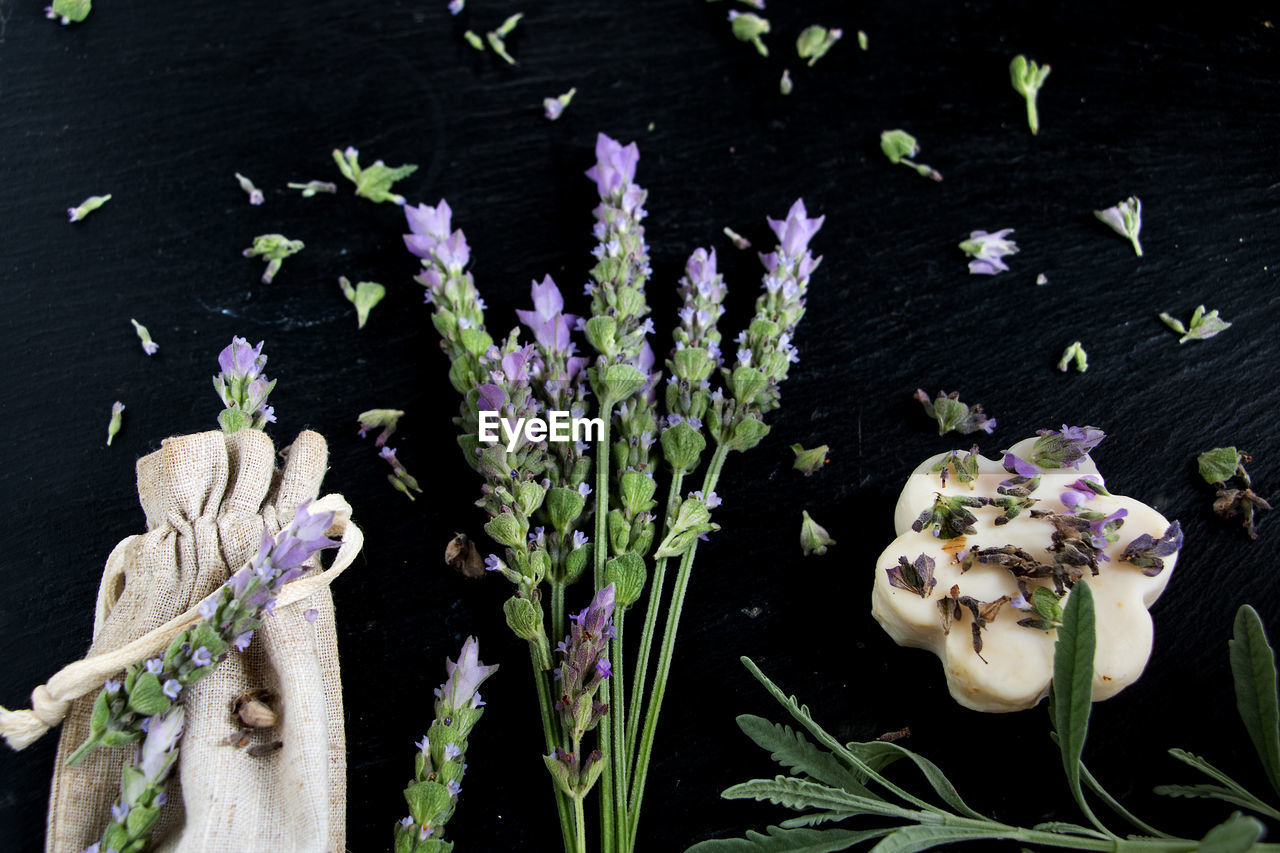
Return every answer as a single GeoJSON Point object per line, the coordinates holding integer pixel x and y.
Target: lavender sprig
{"type": "Point", "coordinates": [243, 387]}
{"type": "Point", "coordinates": [385, 419]}
{"type": "Point", "coordinates": [584, 667]}
{"type": "Point", "coordinates": [399, 478]}
{"type": "Point", "coordinates": [229, 618]}
{"type": "Point", "coordinates": [372, 182]}
{"type": "Point", "coordinates": [142, 784]}
{"type": "Point", "coordinates": [439, 766]}
{"type": "Point", "coordinates": [459, 310]}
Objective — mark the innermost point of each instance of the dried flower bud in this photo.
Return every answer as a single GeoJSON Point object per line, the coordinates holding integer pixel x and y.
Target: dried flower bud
{"type": "Point", "coordinates": [255, 194]}
{"type": "Point", "coordinates": [311, 188]}
{"type": "Point", "coordinates": [261, 750]}
{"type": "Point", "coordinates": [749, 27]}
{"type": "Point", "coordinates": [988, 250]}
{"type": "Point", "coordinates": [900, 147]}
{"type": "Point", "coordinates": [275, 248]}
{"type": "Point", "coordinates": [1124, 218]}
{"type": "Point", "coordinates": [252, 709]}
{"type": "Point", "coordinates": [461, 554]}
{"type": "Point", "coordinates": [1027, 78]}
{"type": "Point", "coordinates": [117, 417]}
{"type": "Point", "coordinates": [89, 205]}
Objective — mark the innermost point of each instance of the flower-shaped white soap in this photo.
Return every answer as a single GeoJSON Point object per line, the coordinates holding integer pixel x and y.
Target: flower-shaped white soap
{"type": "Point", "coordinates": [1015, 666]}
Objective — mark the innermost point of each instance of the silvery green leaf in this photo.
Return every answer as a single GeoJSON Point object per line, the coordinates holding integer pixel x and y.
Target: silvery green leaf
{"type": "Point", "coordinates": [799, 794]}
{"type": "Point", "coordinates": [780, 840]}
{"type": "Point", "coordinates": [878, 753]}
{"type": "Point", "coordinates": [1073, 684]}
{"type": "Point", "coordinates": [1235, 835]}
{"type": "Point", "coordinates": [70, 11]}
{"type": "Point", "coordinates": [909, 839]}
{"type": "Point", "coordinates": [797, 754]}
{"type": "Point", "coordinates": [1253, 667]}
{"type": "Point", "coordinates": [627, 574]}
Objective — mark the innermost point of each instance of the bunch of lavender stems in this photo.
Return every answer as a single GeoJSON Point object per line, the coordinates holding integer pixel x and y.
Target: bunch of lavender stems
{"type": "Point", "coordinates": [146, 699]}
{"type": "Point", "coordinates": [536, 493]}
{"type": "Point", "coordinates": [432, 796]}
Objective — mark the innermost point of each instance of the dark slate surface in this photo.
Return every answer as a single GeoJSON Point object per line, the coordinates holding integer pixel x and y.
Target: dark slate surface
{"type": "Point", "coordinates": [160, 105]}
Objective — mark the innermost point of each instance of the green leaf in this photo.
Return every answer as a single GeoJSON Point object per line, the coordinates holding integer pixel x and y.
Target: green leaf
{"type": "Point", "coordinates": [1235, 835]}
{"type": "Point", "coordinates": [897, 144]}
{"type": "Point", "coordinates": [814, 819]}
{"type": "Point", "coordinates": [1218, 465]}
{"type": "Point", "coordinates": [1234, 792]}
{"type": "Point", "coordinates": [799, 794]}
{"type": "Point", "coordinates": [426, 800]}
{"type": "Point", "coordinates": [1073, 684]}
{"type": "Point", "coordinates": [796, 753]}
{"type": "Point", "coordinates": [909, 839]}
{"type": "Point", "coordinates": [76, 11]}
{"type": "Point", "coordinates": [101, 713]}
{"type": "Point", "coordinates": [789, 840]}
{"type": "Point", "coordinates": [1094, 785]}
{"type": "Point", "coordinates": [1253, 667]}
{"type": "Point", "coordinates": [1064, 828]}
{"type": "Point", "coordinates": [627, 574]}
{"type": "Point", "coordinates": [881, 753]}
{"type": "Point", "coordinates": [147, 697]}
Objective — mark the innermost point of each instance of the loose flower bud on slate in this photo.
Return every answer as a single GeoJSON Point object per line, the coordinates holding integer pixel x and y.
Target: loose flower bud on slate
{"type": "Point", "coordinates": [497, 38]}
{"type": "Point", "coordinates": [386, 419]}
{"type": "Point", "coordinates": [739, 242]}
{"type": "Point", "coordinates": [243, 388]}
{"type": "Point", "coordinates": [89, 205]}
{"type": "Point", "coordinates": [1027, 78]}
{"type": "Point", "coordinates": [862, 40]}
{"type": "Point", "coordinates": [815, 41]}
{"type": "Point", "coordinates": [963, 465]}
{"type": "Point", "coordinates": [1075, 353]}
{"type": "Point", "coordinates": [1124, 218]}
{"type": "Point", "coordinates": [901, 147]}
{"type": "Point", "coordinates": [474, 40]}
{"type": "Point", "coordinates": [456, 6]}
{"type": "Point", "coordinates": [311, 188]}
{"type": "Point", "coordinates": [951, 414]}
{"type": "Point", "coordinates": [987, 251]}
{"type": "Point", "coordinates": [750, 27]}
{"type": "Point", "coordinates": [784, 86]}
{"type": "Point", "coordinates": [275, 248]}
{"type": "Point", "coordinates": [229, 616]}
{"type": "Point", "coordinates": [117, 417]}
{"type": "Point", "coordinates": [365, 295]}
{"type": "Point", "coordinates": [813, 536]}
{"type": "Point", "coordinates": [399, 478]}
{"type": "Point", "coordinates": [255, 194]}
{"type": "Point", "coordinates": [373, 182]}
{"type": "Point", "coordinates": [1146, 552]}
{"type": "Point", "coordinates": [1217, 467]}
{"type": "Point", "coordinates": [148, 346]}
{"type": "Point", "coordinates": [1201, 327]}
{"type": "Point", "coordinates": [68, 11]}
{"type": "Point", "coordinates": [809, 461]}
{"type": "Point", "coordinates": [554, 107]}
{"type": "Point", "coordinates": [252, 709]}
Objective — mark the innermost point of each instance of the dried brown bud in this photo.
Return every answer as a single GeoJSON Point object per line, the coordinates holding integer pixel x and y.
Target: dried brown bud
{"type": "Point", "coordinates": [891, 737]}
{"type": "Point", "coordinates": [252, 709]}
{"type": "Point", "coordinates": [238, 739]}
{"type": "Point", "coordinates": [461, 554]}
{"type": "Point", "coordinates": [259, 750]}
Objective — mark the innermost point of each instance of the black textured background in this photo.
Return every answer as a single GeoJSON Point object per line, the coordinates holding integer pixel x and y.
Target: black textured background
{"type": "Point", "coordinates": [161, 103]}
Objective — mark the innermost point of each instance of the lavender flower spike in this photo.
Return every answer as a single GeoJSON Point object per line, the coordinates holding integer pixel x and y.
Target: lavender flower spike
{"type": "Point", "coordinates": [142, 784]}
{"type": "Point", "coordinates": [988, 250]}
{"type": "Point", "coordinates": [243, 388]}
{"type": "Point", "coordinates": [548, 322]}
{"type": "Point", "coordinates": [466, 674]}
{"type": "Point", "coordinates": [580, 674]}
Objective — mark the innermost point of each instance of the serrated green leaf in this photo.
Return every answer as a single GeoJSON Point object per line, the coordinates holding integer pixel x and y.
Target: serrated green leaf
{"type": "Point", "coordinates": [1218, 465]}
{"type": "Point", "coordinates": [1073, 684]}
{"type": "Point", "coordinates": [1236, 793]}
{"type": "Point", "coordinates": [1253, 667]}
{"type": "Point", "coordinates": [781, 840]}
{"type": "Point", "coordinates": [1065, 828]}
{"type": "Point", "coordinates": [909, 839]}
{"type": "Point", "coordinates": [799, 794]}
{"type": "Point", "coordinates": [796, 753]}
{"type": "Point", "coordinates": [814, 818]}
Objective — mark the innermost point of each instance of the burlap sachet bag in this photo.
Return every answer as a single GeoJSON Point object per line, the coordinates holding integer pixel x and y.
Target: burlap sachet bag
{"type": "Point", "coordinates": [207, 499]}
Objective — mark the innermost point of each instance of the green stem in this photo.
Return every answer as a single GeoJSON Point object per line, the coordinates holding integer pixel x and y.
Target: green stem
{"type": "Point", "coordinates": [580, 824]}
{"type": "Point", "coordinates": [664, 660]}
{"type": "Point", "coordinates": [616, 721]}
{"type": "Point", "coordinates": [1033, 118]}
{"type": "Point", "coordinates": [1091, 782]}
{"type": "Point", "coordinates": [650, 629]}
{"type": "Point", "coordinates": [601, 554]}
{"type": "Point", "coordinates": [551, 742]}
{"type": "Point", "coordinates": [557, 610]}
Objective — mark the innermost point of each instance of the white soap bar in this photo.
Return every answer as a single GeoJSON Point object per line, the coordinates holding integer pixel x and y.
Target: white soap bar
{"type": "Point", "coordinates": [1018, 666]}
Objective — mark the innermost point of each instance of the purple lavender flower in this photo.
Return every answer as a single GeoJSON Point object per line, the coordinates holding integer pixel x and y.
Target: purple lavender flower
{"type": "Point", "coordinates": [242, 642]}
{"type": "Point", "coordinates": [548, 322]}
{"type": "Point", "coordinates": [202, 657]}
{"type": "Point", "coordinates": [466, 674]}
{"type": "Point", "coordinates": [311, 614]}
{"type": "Point", "coordinates": [987, 250]}
{"type": "Point", "coordinates": [111, 686]}
{"type": "Point", "coordinates": [155, 666]}
{"type": "Point", "coordinates": [492, 563]}
{"type": "Point", "coordinates": [1103, 529]}
{"type": "Point", "coordinates": [1017, 465]}
{"type": "Point", "coordinates": [456, 6]}
{"type": "Point", "coordinates": [581, 672]}
{"type": "Point", "coordinates": [172, 688]}
{"type": "Point", "coordinates": [615, 168]}
{"type": "Point", "coordinates": [1065, 448]}
{"type": "Point", "coordinates": [1146, 552]}
{"type": "Point", "coordinates": [452, 751]}
{"type": "Point", "coordinates": [795, 232]}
